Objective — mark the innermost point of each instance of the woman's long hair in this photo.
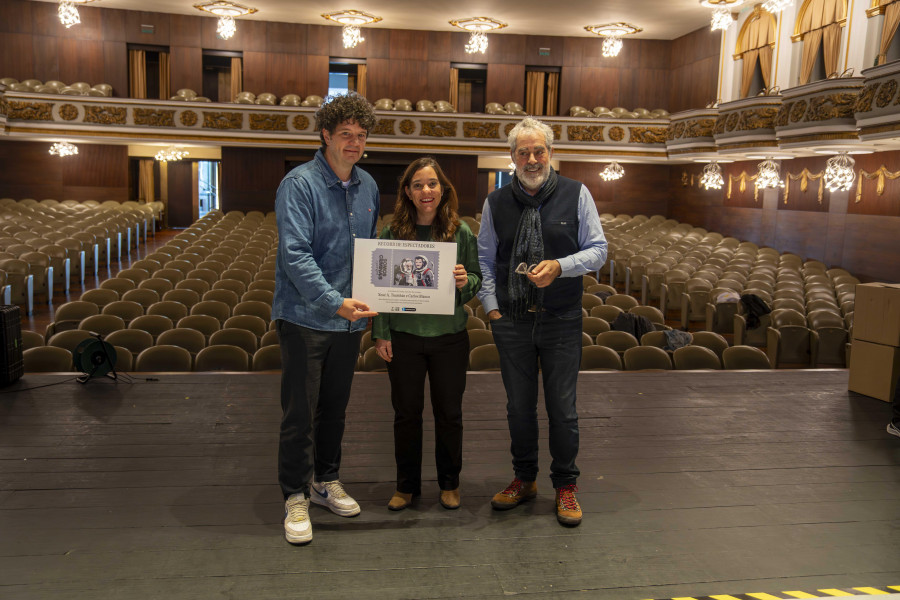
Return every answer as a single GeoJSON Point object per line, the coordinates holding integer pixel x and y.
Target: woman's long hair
{"type": "Point", "coordinates": [446, 219]}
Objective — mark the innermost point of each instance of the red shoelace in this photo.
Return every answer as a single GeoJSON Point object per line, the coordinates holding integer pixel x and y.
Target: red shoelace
{"type": "Point", "coordinates": [514, 488]}
{"type": "Point", "coordinates": [566, 497]}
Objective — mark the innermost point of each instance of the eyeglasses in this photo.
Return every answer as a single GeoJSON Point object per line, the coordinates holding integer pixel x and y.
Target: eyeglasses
{"type": "Point", "coordinates": [524, 269]}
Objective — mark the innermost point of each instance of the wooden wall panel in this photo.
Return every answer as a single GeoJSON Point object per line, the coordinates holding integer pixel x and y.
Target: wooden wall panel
{"type": "Point", "coordinates": [870, 248]}
{"type": "Point", "coordinates": [694, 70]}
{"type": "Point", "coordinates": [378, 82]}
{"type": "Point", "coordinates": [643, 190]}
{"type": "Point", "coordinates": [114, 25]}
{"type": "Point", "coordinates": [46, 58]}
{"type": "Point", "coordinates": [115, 67]}
{"type": "Point", "coordinates": [734, 195]}
{"type": "Point", "coordinates": [187, 30]}
{"type": "Point", "coordinates": [81, 60]}
{"type": "Point", "coordinates": [285, 74]}
{"type": "Point", "coordinates": [407, 44]}
{"type": "Point", "coordinates": [250, 177]}
{"type": "Point", "coordinates": [15, 16]}
{"type": "Point", "coordinates": [505, 83]}
{"type": "Point", "coordinates": [29, 172]}
{"type": "Point", "coordinates": [187, 68]}
{"type": "Point", "coordinates": [317, 75]}
{"type": "Point", "coordinates": [180, 205]}
{"type": "Point", "coordinates": [439, 46]}
{"type": "Point", "coordinates": [17, 57]}
{"type": "Point", "coordinates": [462, 173]}
{"type": "Point", "coordinates": [505, 49]}
{"type": "Point", "coordinates": [160, 22]}
{"type": "Point", "coordinates": [438, 80]}
{"type": "Point", "coordinates": [533, 44]}
{"type": "Point", "coordinates": [255, 72]}
{"type": "Point", "coordinates": [284, 38]}
{"type": "Point", "coordinates": [796, 199]}
{"type": "Point", "coordinates": [870, 202]}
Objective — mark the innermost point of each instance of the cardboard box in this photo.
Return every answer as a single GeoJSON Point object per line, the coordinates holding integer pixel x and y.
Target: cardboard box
{"type": "Point", "coordinates": [874, 369]}
{"type": "Point", "coordinates": [876, 316]}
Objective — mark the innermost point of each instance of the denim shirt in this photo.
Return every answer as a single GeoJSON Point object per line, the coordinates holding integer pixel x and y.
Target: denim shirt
{"type": "Point", "coordinates": [318, 221]}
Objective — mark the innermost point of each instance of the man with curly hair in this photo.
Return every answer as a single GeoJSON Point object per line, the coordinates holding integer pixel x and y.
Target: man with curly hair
{"type": "Point", "coordinates": [321, 207]}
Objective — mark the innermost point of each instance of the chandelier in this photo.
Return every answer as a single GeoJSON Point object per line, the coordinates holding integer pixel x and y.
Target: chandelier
{"type": "Point", "coordinates": [226, 11]}
{"type": "Point", "coordinates": [776, 6]}
{"type": "Point", "coordinates": [612, 172]}
{"type": "Point", "coordinates": [351, 20]}
{"type": "Point", "coordinates": [712, 177]}
{"type": "Point", "coordinates": [612, 34]}
{"type": "Point", "coordinates": [477, 26]}
{"type": "Point", "coordinates": [769, 175]}
{"type": "Point", "coordinates": [721, 19]}
{"type": "Point", "coordinates": [172, 153]}
{"type": "Point", "coordinates": [62, 149]}
{"type": "Point", "coordinates": [839, 173]}
{"type": "Point", "coordinates": [68, 14]}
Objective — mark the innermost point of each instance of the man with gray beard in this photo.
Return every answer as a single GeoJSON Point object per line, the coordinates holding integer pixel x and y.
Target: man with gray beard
{"type": "Point", "coordinates": [538, 236]}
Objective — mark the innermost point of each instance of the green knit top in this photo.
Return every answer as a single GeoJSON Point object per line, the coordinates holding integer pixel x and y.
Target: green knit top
{"type": "Point", "coordinates": [435, 325]}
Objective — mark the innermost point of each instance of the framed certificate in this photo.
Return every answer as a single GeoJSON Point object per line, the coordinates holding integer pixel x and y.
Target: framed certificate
{"type": "Point", "coordinates": [403, 276]}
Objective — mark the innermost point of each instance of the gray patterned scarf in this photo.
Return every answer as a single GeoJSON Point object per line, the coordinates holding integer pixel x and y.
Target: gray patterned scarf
{"type": "Point", "coordinates": [528, 247]}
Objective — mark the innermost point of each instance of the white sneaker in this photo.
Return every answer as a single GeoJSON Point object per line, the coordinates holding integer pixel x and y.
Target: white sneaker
{"type": "Point", "coordinates": [893, 430]}
{"type": "Point", "coordinates": [331, 495]}
{"type": "Point", "coordinates": [297, 528]}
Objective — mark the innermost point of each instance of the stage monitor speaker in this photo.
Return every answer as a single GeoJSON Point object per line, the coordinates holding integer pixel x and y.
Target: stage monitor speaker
{"type": "Point", "coordinates": [12, 365]}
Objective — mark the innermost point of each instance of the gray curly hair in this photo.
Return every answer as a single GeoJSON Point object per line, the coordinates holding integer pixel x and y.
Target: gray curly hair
{"type": "Point", "coordinates": [530, 124]}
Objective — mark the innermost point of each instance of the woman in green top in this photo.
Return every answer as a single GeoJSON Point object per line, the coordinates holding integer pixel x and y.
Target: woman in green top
{"type": "Point", "coordinates": [438, 345]}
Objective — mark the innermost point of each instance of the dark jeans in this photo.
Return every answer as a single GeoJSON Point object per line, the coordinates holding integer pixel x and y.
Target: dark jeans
{"type": "Point", "coordinates": [444, 358]}
{"type": "Point", "coordinates": [317, 372]}
{"type": "Point", "coordinates": [553, 344]}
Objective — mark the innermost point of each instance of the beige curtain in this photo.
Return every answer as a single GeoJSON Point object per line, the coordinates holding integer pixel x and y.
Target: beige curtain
{"type": "Point", "coordinates": [888, 29]}
{"type": "Point", "coordinates": [146, 192]}
{"type": "Point", "coordinates": [534, 92]}
{"type": "Point", "coordinates": [765, 65]}
{"type": "Point", "coordinates": [811, 42]}
{"type": "Point", "coordinates": [454, 88]}
{"type": "Point", "coordinates": [831, 46]}
{"type": "Point", "coordinates": [137, 74]}
{"type": "Point", "coordinates": [361, 80]}
{"type": "Point", "coordinates": [552, 93]}
{"type": "Point", "coordinates": [820, 13]}
{"type": "Point", "coordinates": [237, 78]}
{"type": "Point", "coordinates": [165, 73]}
{"type": "Point", "coordinates": [750, 57]}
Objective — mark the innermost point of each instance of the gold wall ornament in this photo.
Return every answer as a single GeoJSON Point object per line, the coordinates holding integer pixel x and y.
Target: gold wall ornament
{"type": "Point", "coordinates": [68, 112]}
{"type": "Point", "coordinates": [831, 106]}
{"type": "Point", "coordinates": [781, 119]}
{"type": "Point", "coordinates": [300, 122]}
{"type": "Point", "coordinates": [743, 178]}
{"type": "Point", "coordinates": [188, 118]}
{"type": "Point", "coordinates": [586, 133]}
{"type": "Point", "coordinates": [481, 130]}
{"type": "Point", "coordinates": [433, 128]}
{"type": "Point", "coordinates": [383, 127]}
{"type": "Point", "coordinates": [804, 176]}
{"type": "Point", "coordinates": [881, 174]}
{"type": "Point", "coordinates": [509, 127]}
{"type": "Point", "coordinates": [616, 134]}
{"type": "Point", "coordinates": [731, 121]}
{"type": "Point", "coordinates": [798, 110]}
{"type": "Point", "coordinates": [154, 118]}
{"type": "Point", "coordinates": [222, 120]}
{"type": "Point", "coordinates": [885, 93]}
{"type": "Point", "coordinates": [647, 135]}
{"type": "Point", "coordinates": [106, 115]}
{"type": "Point", "coordinates": [720, 125]}
{"type": "Point", "coordinates": [758, 118]}
{"type": "Point", "coordinates": [699, 128]}
{"type": "Point", "coordinates": [864, 100]}
{"type": "Point", "coordinates": [557, 132]}
{"type": "Point", "coordinates": [268, 122]}
{"type": "Point", "coordinates": [4, 107]}
{"type": "Point", "coordinates": [29, 111]}
{"type": "Point", "coordinates": [407, 127]}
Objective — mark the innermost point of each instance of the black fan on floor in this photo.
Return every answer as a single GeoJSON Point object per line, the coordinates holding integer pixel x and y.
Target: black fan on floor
{"type": "Point", "coordinates": [95, 358]}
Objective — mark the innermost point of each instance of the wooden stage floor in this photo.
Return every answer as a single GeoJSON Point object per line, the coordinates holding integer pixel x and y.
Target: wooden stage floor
{"type": "Point", "coordinates": [692, 484]}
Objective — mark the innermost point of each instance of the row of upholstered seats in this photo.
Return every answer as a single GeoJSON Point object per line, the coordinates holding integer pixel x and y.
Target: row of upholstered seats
{"type": "Point", "coordinates": [73, 207]}
{"type": "Point", "coordinates": [270, 99]}
{"type": "Point", "coordinates": [602, 112]}
{"type": "Point", "coordinates": [80, 88]}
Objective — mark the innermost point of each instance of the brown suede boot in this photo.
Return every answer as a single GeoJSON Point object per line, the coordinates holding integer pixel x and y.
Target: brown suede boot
{"type": "Point", "coordinates": [568, 511]}
{"type": "Point", "coordinates": [450, 499]}
{"type": "Point", "coordinates": [515, 494]}
{"type": "Point", "coordinates": [399, 501]}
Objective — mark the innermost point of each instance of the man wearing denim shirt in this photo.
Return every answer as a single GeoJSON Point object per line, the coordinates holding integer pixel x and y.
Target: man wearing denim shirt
{"type": "Point", "coordinates": [321, 208]}
{"type": "Point", "coordinates": [538, 235]}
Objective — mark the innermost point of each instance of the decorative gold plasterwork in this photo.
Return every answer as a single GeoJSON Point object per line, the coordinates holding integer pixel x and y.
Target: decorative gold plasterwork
{"type": "Point", "coordinates": [30, 111]}
{"type": "Point", "coordinates": [222, 120]}
{"type": "Point", "coordinates": [106, 115]}
{"type": "Point", "coordinates": [586, 133]}
{"type": "Point", "coordinates": [885, 93]}
{"type": "Point", "coordinates": [781, 119]}
{"type": "Point", "coordinates": [300, 122]}
{"type": "Point", "coordinates": [697, 128]}
{"type": "Point", "coordinates": [743, 178]}
{"type": "Point", "coordinates": [831, 106]}
{"type": "Point", "coordinates": [188, 118]}
{"type": "Point", "coordinates": [432, 128]}
{"type": "Point", "coordinates": [804, 176]}
{"type": "Point", "coordinates": [268, 122]}
{"type": "Point", "coordinates": [557, 131]}
{"type": "Point", "coordinates": [3, 106]}
{"type": "Point", "coordinates": [154, 118]}
{"type": "Point", "coordinates": [731, 121]}
{"type": "Point", "coordinates": [758, 118]}
{"type": "Point", "coordinates": [509, 127]}
{"type": "Point", "coordinates": [68, 112]}
{"type": "Point", "coordinates": [864, 100]}
{"type": "Point", "coordinates": [407, 127]}
{"type": "Point", "coordinates": [798, 110]}
{"type": "Point", "coordinates": [481, 130]}
{"type": "Point", "coordinates": [616, 134]}
{"type": "Point", "coordinates": [384, 127]}
{"type": "Point", "coordinates": [881, 174]}
{"type": "Point", "coordinates": [647, 135]}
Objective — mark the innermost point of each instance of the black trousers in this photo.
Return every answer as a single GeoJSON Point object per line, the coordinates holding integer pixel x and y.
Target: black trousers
{"type": "Point", "coordinates": [316, 376]}
{"type": "Point", "coordinates": [444, 358]}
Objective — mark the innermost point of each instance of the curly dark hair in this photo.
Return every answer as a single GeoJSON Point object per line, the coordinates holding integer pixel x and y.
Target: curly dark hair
{"type": "Point", "coordinates": [345, 107]}
{"type": "Point", "coordinates": [446, 221]}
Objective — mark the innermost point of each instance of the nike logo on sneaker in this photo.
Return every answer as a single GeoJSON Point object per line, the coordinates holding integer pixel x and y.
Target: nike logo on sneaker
{"type": "Point", "coordinates": [323, 493]}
